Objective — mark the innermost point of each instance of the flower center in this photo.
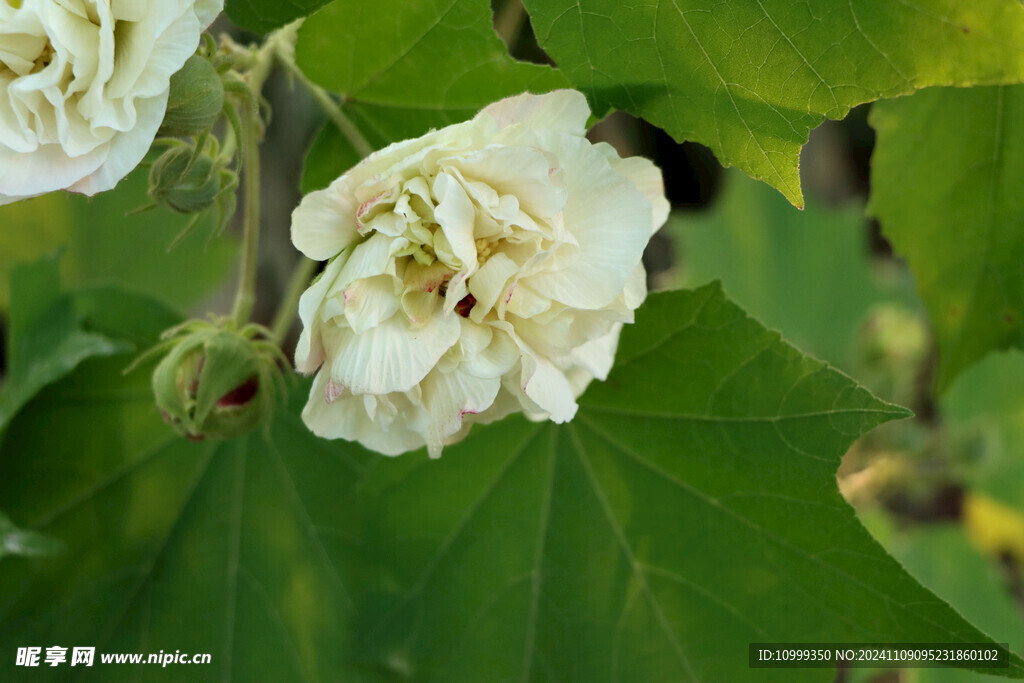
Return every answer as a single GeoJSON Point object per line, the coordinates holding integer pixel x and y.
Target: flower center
{"type": "Point", "coordinates": [44, 58]}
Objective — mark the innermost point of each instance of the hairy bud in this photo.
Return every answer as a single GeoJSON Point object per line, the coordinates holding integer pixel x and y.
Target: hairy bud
{"type": "Point", "coordinates": [185, 182]}
{"type": "Point", "coordinates": [216, 382]}
{"type": "Point", "coordinates": [196, 99]}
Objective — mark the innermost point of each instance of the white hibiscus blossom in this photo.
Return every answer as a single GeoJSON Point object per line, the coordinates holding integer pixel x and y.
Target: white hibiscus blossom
{"type": "Point", "coordinates": [479, 270]}
{"type": "Point", "coordinates": [84, 85]}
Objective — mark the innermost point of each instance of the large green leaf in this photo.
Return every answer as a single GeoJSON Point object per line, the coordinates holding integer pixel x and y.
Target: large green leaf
{"type": "Point", "coordinates": [237, 549]}
{"type": "Point", "coordinates": [806, 273]}
{"type": "Point", "coordinates": [751, 78]}
{"type": "Point", "coordinates": [690, 509]}
{"type": "Point", "coordinates": [407, 67]}
{"type": "Point", "coordinates": [942, 558]}
{"type": "Point", "coordinates": [45, 339]}
{"type": "Point", "coordinates": [263, 16]}
{"type": "Point", "coordinates": [103, 245]}
{"type": "Point", "coordinates": [946, 186]}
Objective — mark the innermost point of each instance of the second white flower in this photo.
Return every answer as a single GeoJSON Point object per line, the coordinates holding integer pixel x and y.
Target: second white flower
{"type": "Point", "coordinates": [478, 270]}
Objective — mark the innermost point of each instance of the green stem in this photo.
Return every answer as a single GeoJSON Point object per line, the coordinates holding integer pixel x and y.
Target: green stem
{"type": "Point", "coordinates": [286, 311]}
{"type": "Point", "coordinates": [330, 107]}
{"type": "Point", "coordinates": [245, 297]}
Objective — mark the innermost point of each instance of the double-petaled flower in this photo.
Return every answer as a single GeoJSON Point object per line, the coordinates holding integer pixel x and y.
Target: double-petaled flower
{"type": "Point", "coordinates": [84, 86]}
{"type": "Point", "coordinates": [479, 270]}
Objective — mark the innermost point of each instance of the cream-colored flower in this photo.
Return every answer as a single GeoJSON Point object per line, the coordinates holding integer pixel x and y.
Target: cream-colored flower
{"type": "Point", "coordinates": [479, 270]}
{"type": "Point", "coordinates": [84, 85]}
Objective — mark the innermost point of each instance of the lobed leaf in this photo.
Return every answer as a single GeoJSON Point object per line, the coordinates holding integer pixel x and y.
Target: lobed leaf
{"type": "Point", "coordinates": [750, 79]}
{"type": "Point", "coordinates": [263, 16]}
{"type": "Point", "coordinates": [690, 509]}
{"type": "Point", "coordinates": [404, 68]}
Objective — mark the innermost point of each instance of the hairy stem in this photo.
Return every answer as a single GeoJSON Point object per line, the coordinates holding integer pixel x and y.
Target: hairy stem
{"type": "Point", "coordinates": [245, 296]}
{"type": "Point", "coordinates": [328, 104]}
{"type": "Point", "coordinates": [251, 131]}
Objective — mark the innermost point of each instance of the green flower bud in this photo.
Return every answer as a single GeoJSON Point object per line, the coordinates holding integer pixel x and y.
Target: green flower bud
{"type": "Point", "coordinates": [195, 101]}
{"type": "Point", "coordinates": [176, 185]}
{"type": "Point", "coordinates": [216, 383]}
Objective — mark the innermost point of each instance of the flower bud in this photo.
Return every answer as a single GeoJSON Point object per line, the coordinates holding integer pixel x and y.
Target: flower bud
{"type": "Point", "coordinates": [175, 184]}
{"type": "Point", "coordinates": [195, 101]}
{"type": "Point", "coordinates": [215, 383]}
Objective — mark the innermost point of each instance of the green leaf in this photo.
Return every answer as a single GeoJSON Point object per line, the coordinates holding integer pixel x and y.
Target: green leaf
{"type": "Point", "coordinates": [690, 509]}
{"type": "Point", "coordinates": [104, 246]}
{"type": "Point", "coordinates": [946, 178]}
{"type": "Point", "coordinates": [239, 549]}
{"type": "Point", "coordinates": [943, 560]}
{"type": "Point", "coordinates": [750, 79]}
{"type": "Point", "coordinates": [405, 68]}
{"type": "Point", "coordinates": [263, 16]}
{"type": "Point", "coordinates": [46, 340]}
{"type": "Point", "coordinates": [806, 273]}
{"type": "Point", "coordinates": [14, 541]}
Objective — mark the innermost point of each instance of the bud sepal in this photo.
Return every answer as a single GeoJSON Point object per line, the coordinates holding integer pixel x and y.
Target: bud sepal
{"type": "Point", "coordinates": [215, 381]}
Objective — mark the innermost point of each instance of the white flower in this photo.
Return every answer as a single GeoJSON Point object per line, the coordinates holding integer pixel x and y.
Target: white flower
{"type": "Point", "coordinates": [83, 87]}
{"type": "Point", "coordinates": [478, 270]}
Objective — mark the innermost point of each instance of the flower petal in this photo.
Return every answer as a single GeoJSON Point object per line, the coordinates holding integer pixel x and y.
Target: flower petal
{"type": "Point", "coordinates": [547, 387]}
{"type": "Point", "coordinates": [309, 352]}
{"type": "Point", "coordinates": [565, 111]}
{"type": "Point", "coordinates": [393, 356]}
{"type": "Point", "coordinates": [347, 418]}
{"type": "Point", "coordinates": [646, 177]}
{"type": "Point", "coordinates": [610, 219]}
{"type": "Point", "coordinates": [370, 301]}
{"type": "Point", "coordinates": [324, 222]}
{"type": "Point", "coordinates": [520, 172]}
{"type": "Point", "coordinates": [127, 149]}
{"type": "Point", "coordinates": [489, 283]}
{"type": "Point", "coordinates": [449, 396]}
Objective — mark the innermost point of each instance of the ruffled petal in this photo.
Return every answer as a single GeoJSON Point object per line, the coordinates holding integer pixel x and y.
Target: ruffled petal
{"type": "Point", "coordinates": [520, 172]}
{"type": "Point", "coordinates": [370, 301]}
{"type": "Point", "coordinates": [563, 111]}
{"type": "Point", "coordinates": [646, 177]}
{"type": "Point", "coordinates": [489, 283]}
{"type": "Point", "coordinates": [547, 387]}
{"type": "Point", "coordinates": [348, 418]}
{"type": "Point", "coordinates": [393, 356]}
{"type": "Point", "coordinates": [324, 222]}
{"type": "Point", "coordinates": [309, 352]}
{"type": "Point", "coordinates": [450, 396]}
{"type": "Point", "coordinates": [610, 219]}
{"type": "Point", "coordinates": [127, 149]}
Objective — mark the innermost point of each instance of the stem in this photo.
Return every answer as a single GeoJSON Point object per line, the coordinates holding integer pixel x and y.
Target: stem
{"type": "Point", "coordinates": [245, 297]}
{"type": "Point", "coordinates": [330, 107]}
{"type": "Point", "coordinates": [285, 316]}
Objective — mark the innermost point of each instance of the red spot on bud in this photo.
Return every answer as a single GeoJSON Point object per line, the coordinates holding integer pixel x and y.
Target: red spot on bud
{"type": "Point", "coordinates": [465, 305]}
{"type": "Point", "coordinates": [241, 394]}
